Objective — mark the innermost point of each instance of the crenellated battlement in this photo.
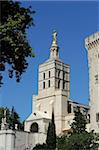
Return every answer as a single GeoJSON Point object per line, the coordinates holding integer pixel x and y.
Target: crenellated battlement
{"type": "Point", "coordinates": [92, 41]}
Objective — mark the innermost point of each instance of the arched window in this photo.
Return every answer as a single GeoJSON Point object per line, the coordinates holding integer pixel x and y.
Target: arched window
{"type": "Point", "coordinates": [44, 75]}
{"type": "Point", "coordinates": [34, 127]}
{"type": "Point", "coordinates": [49, 74]}
{"type": "Point", "coordinates": [59, 74]}
{"type": "Point", "coordinates": [59, 84]}
{"type": "Point", "coordinates": [43, 85]}
{"type": "Point", "coordinates": [49, 83]}
{"type": "Point", "coordinates": [64, 84]}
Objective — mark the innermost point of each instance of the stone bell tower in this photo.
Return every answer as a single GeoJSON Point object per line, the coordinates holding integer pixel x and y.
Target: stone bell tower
{"type": "Point", "coordinates": [92, 45]}
{"type": "Point", "coordinates": [53, 87]}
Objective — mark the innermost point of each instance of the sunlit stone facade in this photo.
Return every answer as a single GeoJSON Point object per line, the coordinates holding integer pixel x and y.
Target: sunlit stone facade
{"type": "Point", "coordinates": [53, 94]}
{"type": "Point", "coordinates": [92, 45]}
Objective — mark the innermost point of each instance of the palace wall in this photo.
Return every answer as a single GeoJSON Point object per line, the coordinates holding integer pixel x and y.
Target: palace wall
{"type": "Point", "coordinates": [18, 140]}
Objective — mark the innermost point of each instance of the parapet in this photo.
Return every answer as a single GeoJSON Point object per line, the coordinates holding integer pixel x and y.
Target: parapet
{"type": "Point", "coordinates": [92, 41]}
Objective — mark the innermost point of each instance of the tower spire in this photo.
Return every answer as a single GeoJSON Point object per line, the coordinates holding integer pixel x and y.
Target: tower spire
{"type": "Point", "coordinates": [54, 50]}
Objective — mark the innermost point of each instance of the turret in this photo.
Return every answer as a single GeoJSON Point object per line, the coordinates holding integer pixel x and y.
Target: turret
{"type": "Point", "coordinates": [92, 45]}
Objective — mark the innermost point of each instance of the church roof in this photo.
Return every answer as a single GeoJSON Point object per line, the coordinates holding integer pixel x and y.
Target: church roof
{"type": "Point", "coordinates": [77, 103]}
{"type": "Point", "coordinates": [38, 115]}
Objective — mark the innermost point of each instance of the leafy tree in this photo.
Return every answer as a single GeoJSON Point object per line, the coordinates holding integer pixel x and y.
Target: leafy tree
{"type": "Point", "coordinates": [21, 126]}
{"type": "Point", "coordinates": [14, 46]}
{"type": "Point", "coordinates": [40, 147]}
{"type": "Point", "coordinates": [61, 142]}
{"type": "Point", "coordinates": [12, 118]}
{"type": "Point", "coordinates": [80, 139]}
{"type": "Point", "coordinates": [1, 115]}
{"type": "Point", "coordinates": [51, 135]}
{"type": "Point", "coordinates": [79, 124]}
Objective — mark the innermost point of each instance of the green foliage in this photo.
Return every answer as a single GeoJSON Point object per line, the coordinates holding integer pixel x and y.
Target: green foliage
{"type": "Point", "coordinates": [61, 142]}
{"type": "Point", "coordinates": [80, 139]}
{"type": "Point", "coordinates": [40, 147]}
{"type": "Point", "coordinates": [1, 115]}
{"type": "Point", "coordinates": [51, 135]}
{"type": "Point", "coordinates": [12, 118]}
{"type": "Point", "coordinates": [14, 46]}
{"type": "Point", "coordinates": [79, 124]}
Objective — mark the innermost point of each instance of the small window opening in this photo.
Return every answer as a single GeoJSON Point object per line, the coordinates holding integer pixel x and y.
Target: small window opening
{"type": "Point", "coordinates": [97, 117]}
{"type": "Point", "coordinates": [43, 75]}
{"type": "Point", "coordinates": [63, 84]}
{"type": "Point", "coordinates": [63, 75]}
{"type": "Point", "coordinates": [58, 84]}
{"type": "Point", "coordinates": [34, 113]}
{"type": "Point", "coordinates": [69, 108]}
{"type": "Point", "coordinates": [58, 73]}
{"type": "Point", "coordinates": [43, 85]}
{"type": "Point", "coordinates": [96, 77]}
{"type": "Point", "coordinates": [49, 84]}
{"type": "Point", "coordinates": [88, 118]}
{"type": "Point", "coordinates": [49, 74]}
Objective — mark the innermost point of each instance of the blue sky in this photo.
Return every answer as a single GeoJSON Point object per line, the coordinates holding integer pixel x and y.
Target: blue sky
{"type": "Point", "coordinates": [73, 21]}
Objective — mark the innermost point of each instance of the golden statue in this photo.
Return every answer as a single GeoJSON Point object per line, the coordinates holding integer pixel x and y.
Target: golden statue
{"type": "Point", "coordinates": [54, 36]}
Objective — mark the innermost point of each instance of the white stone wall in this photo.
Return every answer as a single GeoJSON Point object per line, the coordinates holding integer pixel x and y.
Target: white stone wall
{"type": "Point", "coordinates": [18, 140]}
{"type": "Point", "coordinates": [92, 44]}
{"type": "Point", "coordinates": [60, 111]}
{"type": "Point", "coordinates": [28, 140]}
{"type": "Point", "coordinates": [21, 140]}
{"type": "Point", "coordinates": [7, 140]}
